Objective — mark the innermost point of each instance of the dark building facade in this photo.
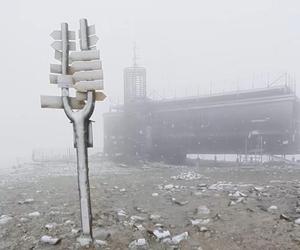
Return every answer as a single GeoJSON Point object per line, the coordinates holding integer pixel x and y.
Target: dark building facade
{"type": "Point", "coordinates": [262, 121]}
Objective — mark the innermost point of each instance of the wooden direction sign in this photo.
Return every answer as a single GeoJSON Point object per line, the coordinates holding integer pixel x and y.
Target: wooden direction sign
{"type": "Point", "coordinates": [57, 45]}
{"type": "Point", "coordinates": [91, 31]}
{"type": "Point", "coordinates": [85, 66]}
{"type": "Point", "coordinates": [82, 96]}
{"type": "Point", "coordinates": [88, 75]}
{"type": "Point", "coordinates": [85, 55]}
{"type": "Point", "coordinates": [93, 41]}
{"type": "Point", "coordinates": [56, 35]}
{"type": "Point", "coordinates": [85, 86]}
{"type": "Point", "coordinates": [55, 102]}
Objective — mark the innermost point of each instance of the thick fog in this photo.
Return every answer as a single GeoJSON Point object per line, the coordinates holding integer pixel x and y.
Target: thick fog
{"type": "Point", "coordinates": [188, 48]}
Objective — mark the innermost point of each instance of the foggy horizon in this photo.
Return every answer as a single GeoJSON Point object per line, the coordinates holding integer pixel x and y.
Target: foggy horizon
{"type": "Point", "coordinates": [186, 47]}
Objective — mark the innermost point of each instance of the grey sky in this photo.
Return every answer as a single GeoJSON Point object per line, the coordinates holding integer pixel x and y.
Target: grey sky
{"type": "Point", "coordinates": [185, 46]}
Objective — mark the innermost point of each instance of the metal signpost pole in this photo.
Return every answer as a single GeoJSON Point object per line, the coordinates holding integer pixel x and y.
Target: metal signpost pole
{"type": "Point", "coordinates": [85, 75]}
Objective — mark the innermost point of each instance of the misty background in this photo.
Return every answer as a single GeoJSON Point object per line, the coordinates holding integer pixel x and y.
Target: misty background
{"type": "Point", "coordinates": [188, 48]}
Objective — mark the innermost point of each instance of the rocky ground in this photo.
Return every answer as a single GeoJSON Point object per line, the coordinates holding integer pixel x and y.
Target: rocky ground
{"type": "Point", "coordinates": [152, 206]}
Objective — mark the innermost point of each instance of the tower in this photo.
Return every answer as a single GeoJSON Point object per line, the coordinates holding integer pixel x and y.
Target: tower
{"type": "Point", "coordinates": [134, 82]}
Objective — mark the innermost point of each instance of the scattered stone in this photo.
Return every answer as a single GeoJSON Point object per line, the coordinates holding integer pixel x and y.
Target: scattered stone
{"type": "Point", "coordinates": [136, 218]}
{"type": "Point", "coordinates": [4, 219]}
{"type": "Point", "coordinates": [155, 194]}
{"type": "Point", "coordinates": [180, 203]}
{"type": "Point", "coordinates": [34, 214]}
{"type": "Point", "coordinates": [237, 194]}
{"type": "Point", "coordinates": [69, 222]}
{"type": "Point", "coordinates": [202, 210]}
{"type": "Point", "coordinates": [75, 230]}
{"type": "Point", "coordinates": [155, 217]}
{"type": "Point", "coordinates": [259, 189]}
{"type": "Point", "coordinates": [139, 227]}
{"type": "Point", "coordinates": [27, 201]}
{"type": "Point", "coordinates": [138, 244]}
{"type": "Point", "coordinates": [200, 222]}
{"type": "Point", "coordinates": [168, 187]}
{"type": "Point", "coordinates": [24, 219]}
{"type": "Point", "coordinates": [50, 240]}
{"type": "Point", "coordinates": [122, 190]}
{"type": "Point", "coordinates": [101, 233]}
{"type": "Point", "coordinates": [100, 243]}
{"type": "Point", "coordinates": [50, 226]}
{"type": "Point", "coordinates": [161, 234]}
{"type": "Point", "coordinates": [272, 209]}
{"type": "Point", "coordinates": [121, 214]}
{"type": "Point", "coordinates": [84, 241]}
{"type": "Point", "coordinates": [180, 237]}
{"type": "Point", "coordinates": [187, 176]}
{"type": "Point", "coordinates": [297, 221]}
{"type": "Point", "coordinates": [231, 203]}
{"type": "Point", "coordinates": [284, 217]}
{"type": "Point", "coordinates": [203, 229]}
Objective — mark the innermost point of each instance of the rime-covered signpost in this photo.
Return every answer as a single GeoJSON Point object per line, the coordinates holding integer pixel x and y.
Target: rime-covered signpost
{"type": "Point", "coordinates": [81, 71]}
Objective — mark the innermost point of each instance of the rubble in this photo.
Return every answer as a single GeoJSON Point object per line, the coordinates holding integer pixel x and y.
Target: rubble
{"type": "Point", "coordinates": [138, 244]}
{"type": "Point", "coordinates": [297, 221]}
{"type": "Point", "coordinates": [202, 210]}
{"type": "Point", "coordinates": [50, 240]}
{"type": "Point", "coordinates": [272, 209]}
{"type": "Point", "coordinates": [50, 226]}
{"type": "Point", "coordinates": [161, 234]}
{"type": "Point", "coordinates": [4, 219]}
{"type": "Point", "coordinates": [100, 242]}
{"type": "Point", "coordinates": [154, 194]}
{"type": "Point", "coordinates": [27, 201]}
{"type": "Point", "coordinates": [169, 187]}
{"type": "Point", "coordinates": [187, 176]}
{"type": "Point", "coordinates": [180, 203]}
{"type": "Point", "coordinates": [34, 214]}
{"type": "Point", "coordinates": [155, 217]}
{"type": "Point", "coordinates": [180, 237]}
{"type": "Point", "coordinates": [200, 222]}
{"type": "Point", "coordinates": [84, 241]}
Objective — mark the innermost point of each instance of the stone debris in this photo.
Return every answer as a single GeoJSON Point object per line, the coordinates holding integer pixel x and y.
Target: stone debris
{"type": "Point", "coordinates": [122, 190]}
{"type": "Point", "coordinates": [202, 210]}
{"type": "Point", "coordinates": [100, 242]}
{"type": "Point", "coordinates": [27, 201]}
{"type": "Point", "coordinates": [121, 214]}
{"type": "Point", "coordinates": [69, 222]}
{"type": "Point", "coordinates": [272, 209]}
{"type": "Point", "coordinates": [84, 241]}
{"type": "Point", "coordinates": [4, 219]}
{"type": "Point", "coordinates": [180, 237]}
{"type": "Point", "coordinates": [50, 226]}
{"type": "Point", "coordinates": [136, 218]}
{"type": "Point", "coordinates": [155, 217]}
{"type": "Point", "coordinates": [75, 230]}
{"type": "Point", "coordinates": [161, 234]}
{"type": "Point", "coordinates": [138, 244]}
{"type": "Point", "coordinates": [203, 229]}
{"type": "Point", "coordinates": [187, 176]}
{"type": "Point", "coordinates": [197, 222]}
{"type": "Point", "coordinates": [284, 217]}
{"type": "Point", "coordinates": [50, 240]}
{"type": "Point", "coordinates": [259, 189]}
{"type": "Point", "coordinates": [139, 227]}
{"type": "Point", "coordinates": [24, 219]}
{"type": "Point", "coordinates": [180, 203]}
{"type": "Point", "coordinates": [154, 194]}
{"type": "Point", "coordinates": [169, 187]}
{"type": "Point", "coordinates": [34, 214]}
{"type": "Point", "coordinates": [237, 195]}
{"type": "Point", "coordinates": [297, 221]}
